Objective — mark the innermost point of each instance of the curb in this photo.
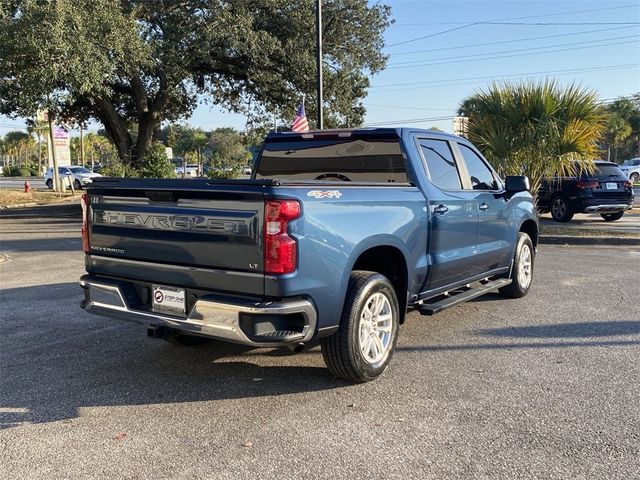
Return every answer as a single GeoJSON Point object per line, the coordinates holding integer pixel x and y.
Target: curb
{"type": "Point", "coordinates": [568, 240]}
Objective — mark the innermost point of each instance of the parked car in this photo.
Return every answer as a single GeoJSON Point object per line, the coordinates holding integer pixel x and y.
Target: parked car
{"type": "Point", "coordinates": [187, 170]}
{"type": "Point", "coordinates": [606, 191]}
{"type": "Point", "coordinates": [81, 176]}
{"type": "Point", "coordinates": [336, 235]}
{"type": "Point", "coordinates": [246, 170]}
{"type": "Point", "coordinates": [631, 168]}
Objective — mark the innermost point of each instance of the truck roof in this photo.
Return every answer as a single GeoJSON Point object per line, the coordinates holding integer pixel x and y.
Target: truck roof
{"type": "Point", "coordinates": [350, 132]}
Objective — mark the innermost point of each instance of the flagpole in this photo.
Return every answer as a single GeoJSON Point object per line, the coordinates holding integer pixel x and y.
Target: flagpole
{"type": "Point", "coordinates": [319, 60]}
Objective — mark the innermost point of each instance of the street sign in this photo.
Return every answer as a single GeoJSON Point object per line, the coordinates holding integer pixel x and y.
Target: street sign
{"type": "Point", "coordinates": [62, 146]}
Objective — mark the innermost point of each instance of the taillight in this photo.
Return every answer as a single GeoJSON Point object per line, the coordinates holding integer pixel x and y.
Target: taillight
{"type": "Point", "coordinates": [280, 250]}
{"type": "Point", "coordinates": [84, 201]}
{"type": "Point", "coordinates": [591, 185]}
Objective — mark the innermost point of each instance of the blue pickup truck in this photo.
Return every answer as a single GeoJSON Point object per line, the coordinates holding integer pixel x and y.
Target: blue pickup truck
{"type": "Point", "coordinates": [336, 236]}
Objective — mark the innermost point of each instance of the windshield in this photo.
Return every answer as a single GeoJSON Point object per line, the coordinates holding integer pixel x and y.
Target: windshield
{"type": "Point", "coordinates": [79, 170]}
{"type": "Point", "coordinates": [634, 162]}
{"type": "Point", "coordinates": [357, 160]}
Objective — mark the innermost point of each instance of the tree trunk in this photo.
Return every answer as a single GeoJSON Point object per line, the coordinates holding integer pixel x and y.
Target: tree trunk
{"type": "Point", "coordinates": [39, 154]}
{"type": "Point", "coordinates": [146, 128]}
{"type": "Point", "coordinates": [115, 127]}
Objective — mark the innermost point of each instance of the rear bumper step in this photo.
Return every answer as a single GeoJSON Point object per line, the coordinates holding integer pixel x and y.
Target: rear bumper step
{"type": "Point", "coordinates": [463, 296]}
{"type": "Point", "coordinates": [210, 316]}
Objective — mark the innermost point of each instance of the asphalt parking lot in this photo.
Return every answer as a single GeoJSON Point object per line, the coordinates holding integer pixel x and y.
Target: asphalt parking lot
{"type": "Point", "coordinates": [543, 387]}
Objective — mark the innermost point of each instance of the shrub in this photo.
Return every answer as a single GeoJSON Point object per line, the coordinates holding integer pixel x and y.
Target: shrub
{"type": "Point", "coordinates": [156, 164]}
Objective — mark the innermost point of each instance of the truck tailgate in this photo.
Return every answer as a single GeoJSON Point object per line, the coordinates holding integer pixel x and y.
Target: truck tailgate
{"type": "Point", "coordinates": [141, 228]}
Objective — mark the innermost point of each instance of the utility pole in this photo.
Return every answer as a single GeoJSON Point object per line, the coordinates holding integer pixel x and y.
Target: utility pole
{"type": "Point", "coordinates": [81, 147]}
{"type": "Point", "coordinates": [275, 121]}
{"type": "Point", "coordinates": [56, 177]}
{"type": "Point", "coordinates": [319, 60]}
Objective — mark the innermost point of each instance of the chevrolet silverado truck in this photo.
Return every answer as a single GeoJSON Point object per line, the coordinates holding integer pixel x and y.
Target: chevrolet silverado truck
{"type": "Point", "coordinates": [333, 239]}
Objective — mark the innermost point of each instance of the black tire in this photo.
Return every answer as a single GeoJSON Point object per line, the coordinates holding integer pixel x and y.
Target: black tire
{"type": "Point", "coordinates": [186, 340]}
{"type": "Point", "coordinates": [635, 177]}
{"type": "Point", "coordinates": [519, 285]}
{"type": "Point", "coordinates": [77, 185]}
{"type": "Point", "coordinates": [561, 209]}
{"type": "Point", "coordinates": [612, 217]}
{"type": "Point", "coordinates": [342, 351]}
{"type": "Point", "coordinates": [50, 184]}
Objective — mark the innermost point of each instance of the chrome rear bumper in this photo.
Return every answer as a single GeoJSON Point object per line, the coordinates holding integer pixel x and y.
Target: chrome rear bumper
{"type": "Point", "coordinates": [209, 316]}
{"type": "Point", "coordinates": [618, 207]}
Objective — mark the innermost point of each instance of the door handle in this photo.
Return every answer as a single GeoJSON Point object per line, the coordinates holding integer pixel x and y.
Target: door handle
{"type": "Point", "coordinates": [483, 207]}
{"type": "Point", "coordinates": [441, 209]}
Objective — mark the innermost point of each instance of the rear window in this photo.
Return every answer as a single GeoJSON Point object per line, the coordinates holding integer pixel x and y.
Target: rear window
{"type": "Point", "coordinates": [605, 171]}
{"type": "Point", "coordinates": [356, 160]}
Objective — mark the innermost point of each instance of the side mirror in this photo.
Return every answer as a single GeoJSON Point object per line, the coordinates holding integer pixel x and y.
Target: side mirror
{"type": "Point", "coordinates": [516, 183]}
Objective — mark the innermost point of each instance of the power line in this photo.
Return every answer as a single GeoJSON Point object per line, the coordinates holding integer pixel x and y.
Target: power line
{"type": "Point", "coordinates": [604, 101]}
{"type": "Point", "coordinates": [528, 49]}
{"type": "Point", "coordinates": [473, 45]}
{"type": "Point", "coordinates": [410, 120]}
{"type": "Point", "coordinates": [447, 117]}
{"type": "Point", "coordinates": [431, 35]}
{"type": "Point", "coordinates": [407, 108]}
{"type": "Point", "coordinates": [465, 81]}
{"type": "Point", "coordinates": [508, 23]}
{"type": "Point", "coordinates": [514, 55]}
{"type": "Point", "coordinates": [524, 18]}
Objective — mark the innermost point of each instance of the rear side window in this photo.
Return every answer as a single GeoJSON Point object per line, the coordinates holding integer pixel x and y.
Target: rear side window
{"type": "Point", "coordinates": [480, 176]}
{"type": "Point", "coordinates": [348, 159]}
{"type": "Point", "coordinates": [441, 165]}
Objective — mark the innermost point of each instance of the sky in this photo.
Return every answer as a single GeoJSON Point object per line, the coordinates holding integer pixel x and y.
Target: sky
{"type": "Point", "coordinates": [441, 52]}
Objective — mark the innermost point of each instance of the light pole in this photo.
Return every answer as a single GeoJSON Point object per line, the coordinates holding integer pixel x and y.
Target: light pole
{"type": "Point", "coordinates": [319, 60]}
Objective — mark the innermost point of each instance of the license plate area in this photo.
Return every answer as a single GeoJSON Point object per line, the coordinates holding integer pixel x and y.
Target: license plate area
{"type": "Point", "coordinates": [168, 299]}
{"type": "Point", "coordinates": [611, 186]}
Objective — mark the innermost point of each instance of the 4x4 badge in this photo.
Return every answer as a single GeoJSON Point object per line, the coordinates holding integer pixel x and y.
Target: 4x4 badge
{"type": "Point", "coordinates": [324, 193]}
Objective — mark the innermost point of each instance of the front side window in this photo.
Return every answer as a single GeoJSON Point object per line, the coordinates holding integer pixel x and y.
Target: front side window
{"type": "Point", "coordinates": [480, 175]}
{"type": "Point", "coordinates": [441, 165]}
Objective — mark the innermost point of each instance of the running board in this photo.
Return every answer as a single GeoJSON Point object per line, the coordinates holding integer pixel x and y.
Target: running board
{"type": "Point", "coordinates": [463, 296]}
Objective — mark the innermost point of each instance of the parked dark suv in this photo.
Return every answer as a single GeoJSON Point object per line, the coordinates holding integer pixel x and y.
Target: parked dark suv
{"type": "Point", "coordinates": [606, 191]}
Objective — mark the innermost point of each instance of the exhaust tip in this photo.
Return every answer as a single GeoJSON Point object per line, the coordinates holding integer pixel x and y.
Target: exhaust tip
{"type": "Point", "coordinates": [296, 347]}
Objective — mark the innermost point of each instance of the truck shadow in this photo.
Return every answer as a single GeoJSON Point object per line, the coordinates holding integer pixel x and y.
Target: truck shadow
{"type": "Point", "coordinates": [61, 360]}
{"type": "Point", "coordinates": [561, 335]}
{"type": "Point", "coordinates": [51, 244]}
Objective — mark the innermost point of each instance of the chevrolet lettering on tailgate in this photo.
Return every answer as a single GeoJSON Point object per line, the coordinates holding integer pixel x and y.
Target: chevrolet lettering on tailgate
{"type": "Point", "coordinates": [171, 222]}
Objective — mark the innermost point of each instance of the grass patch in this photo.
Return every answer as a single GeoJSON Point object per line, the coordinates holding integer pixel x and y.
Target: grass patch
{"type": "Point", "coordinates": [18, 197]}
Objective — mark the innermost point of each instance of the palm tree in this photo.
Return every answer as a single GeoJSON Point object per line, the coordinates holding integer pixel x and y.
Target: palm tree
{"type": "Point", "coordinates": [535, 129]}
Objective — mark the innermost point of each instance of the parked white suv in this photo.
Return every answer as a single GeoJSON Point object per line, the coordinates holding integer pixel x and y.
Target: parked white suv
{"type": "Point", "coordinates": [631, 168]}
{"type": "Point", "coordinates": [81, 176]}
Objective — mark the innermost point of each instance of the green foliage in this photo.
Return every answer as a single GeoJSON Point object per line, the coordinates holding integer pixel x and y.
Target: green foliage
{"type": "Point", "coordinates": [228, 145]}
{"type": "Point", "coordinates": [622, 133]}
{"type": "Point", "coordinates": [155, 164]}
{"type": "Point", "coordinates": [11, 171]}
{"type": "Point", "coordinates": [535, 129]}
{"type": "Point", "coordinates": [118, 168]}
{"type": "Point", "coordinates": [133, 64]}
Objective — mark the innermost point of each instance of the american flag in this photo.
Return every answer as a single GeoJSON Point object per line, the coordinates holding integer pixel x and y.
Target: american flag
{"type": "Point", "coordinates": [300, 123]}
